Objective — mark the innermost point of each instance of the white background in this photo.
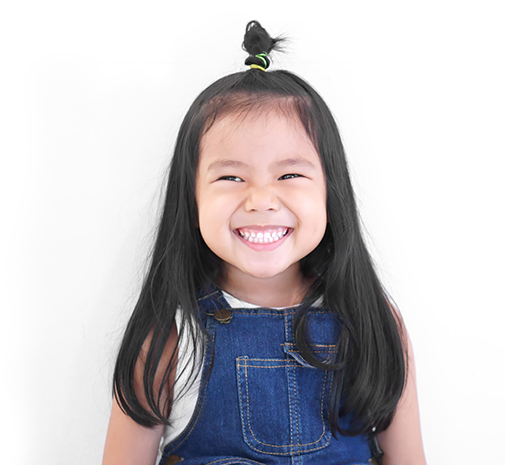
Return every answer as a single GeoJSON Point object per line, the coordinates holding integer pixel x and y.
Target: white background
{"type": "Point", "coordinates": [91, 96]}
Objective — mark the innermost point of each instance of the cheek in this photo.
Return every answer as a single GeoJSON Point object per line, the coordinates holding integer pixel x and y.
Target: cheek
{"type": "Point", "coordinates": [204, 222]}
{"type": "Point", "coordinates": [320, 223]}
{"type": "Point", "coordinates": [213, 217]}
{"type": "Point", "coordinates": [205, 208]}
{"type": "Point", "coordinates": [318, 216]}
{"type": "Point", "coordinates": [312, 204]}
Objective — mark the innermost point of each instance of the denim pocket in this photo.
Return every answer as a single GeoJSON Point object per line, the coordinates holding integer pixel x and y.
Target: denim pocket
{"type": "Point", "coordinates": [284, 403]}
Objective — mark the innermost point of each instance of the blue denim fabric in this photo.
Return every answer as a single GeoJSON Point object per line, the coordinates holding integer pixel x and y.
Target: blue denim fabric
{"type": "Point", "coordinates": [263, 403]}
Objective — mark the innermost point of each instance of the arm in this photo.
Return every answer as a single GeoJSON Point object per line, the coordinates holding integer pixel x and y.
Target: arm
{"type": "Point", "coordinates": [127, 442]}
{"type": "Point", "coordinates": [401, 441]}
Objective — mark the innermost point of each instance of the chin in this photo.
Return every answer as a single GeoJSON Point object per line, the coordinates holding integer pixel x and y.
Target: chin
{"type": "Point", "coordinates": [263, 273]}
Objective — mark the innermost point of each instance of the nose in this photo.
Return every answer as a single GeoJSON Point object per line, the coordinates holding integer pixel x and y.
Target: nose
{"type": "Point", "coordinates": [262, 199]}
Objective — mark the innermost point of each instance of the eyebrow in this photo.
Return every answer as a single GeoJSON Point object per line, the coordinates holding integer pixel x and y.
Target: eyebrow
{"type": "Point", "coordinates": [286, 163]}
{"type": "Point", "coordinates": [220, 164]}
{"type": "Point", "coordinates": [296, 162]}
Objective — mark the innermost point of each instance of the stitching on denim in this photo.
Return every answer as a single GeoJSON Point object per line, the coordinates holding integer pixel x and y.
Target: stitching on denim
{"type": "Point", "coordinates": [296, 411]}
{"type": "Point", "coordinates": [245, 366]}
{"type": "Point", "coordinates": [323, 395]}
{"type": "Point", "coordinates": [280, 360]}
{"type": "Point", "coordinates": [286, 373]}
{"type": "Point", "coordinates": [330, 350]}
{"type": "Point", "coordinates": [288, 454]}
{"type": "Point", "coordinates": [194, 423]}
{"type": "Point", "coordinates": [249, 410]}
{"type": "Point", "coordinates": [286, 332]}
{"type": "Point", "coordinates": [322, 416]}
{"type": "Point", "coordinates": [231, 460]}
{"type": "Point", "coordinates": [325, 348]}
{"type": "Point", "coordinates": [294, 384]}
{"type": "Point", "coordinates": [268, 367]}
{"type": "Point", "coordinates": [285, 446]}
{"type": "Point", "coordinates": [285, 363]}
{"type": "Point", "coordinates": [246, 313]}
{"type": "Point", "coordinates": [244, 433]}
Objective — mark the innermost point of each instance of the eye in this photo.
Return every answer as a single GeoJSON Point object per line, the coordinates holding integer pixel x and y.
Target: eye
{"type": "Point", "coordinates": [230, 178]}
{"type": "Point", "coordinates": [290, 176]}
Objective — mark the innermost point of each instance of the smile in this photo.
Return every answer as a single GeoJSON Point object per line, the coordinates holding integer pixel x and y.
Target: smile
{"type": "Point", "coordinates": [265, 236]}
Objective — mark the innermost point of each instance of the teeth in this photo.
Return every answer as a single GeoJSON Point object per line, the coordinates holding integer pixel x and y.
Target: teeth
{"type": "Point", "coordinates": [266, 237]}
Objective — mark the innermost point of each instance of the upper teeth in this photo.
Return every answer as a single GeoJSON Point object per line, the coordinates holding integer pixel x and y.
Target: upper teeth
{"type": "Point", "coordinates": [264, 237]}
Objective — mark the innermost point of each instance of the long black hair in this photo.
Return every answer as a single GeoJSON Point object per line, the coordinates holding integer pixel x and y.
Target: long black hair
{"type": "Point", "coordinates": [371, 367]}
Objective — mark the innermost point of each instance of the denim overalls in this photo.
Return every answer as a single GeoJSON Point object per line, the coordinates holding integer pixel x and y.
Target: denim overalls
{"type": "Point", "coordinates": [263, 403]}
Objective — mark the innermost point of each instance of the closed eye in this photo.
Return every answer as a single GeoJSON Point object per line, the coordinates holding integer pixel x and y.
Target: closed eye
{"type": "Point", "coordinates": [230, 178]}
{"type": "Point", "coordinates": [290, 176]}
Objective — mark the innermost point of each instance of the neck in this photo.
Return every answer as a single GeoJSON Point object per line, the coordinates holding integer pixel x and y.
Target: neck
{"type": "Point", "coordinates": [284, 290]}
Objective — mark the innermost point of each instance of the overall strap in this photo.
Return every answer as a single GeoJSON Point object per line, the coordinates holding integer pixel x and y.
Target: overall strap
{"type": "Point", "coordinates": [211, 300]}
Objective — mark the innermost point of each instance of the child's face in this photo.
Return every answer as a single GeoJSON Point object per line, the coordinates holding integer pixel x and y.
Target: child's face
{"type": "Point", "coordinates": [261, 194]}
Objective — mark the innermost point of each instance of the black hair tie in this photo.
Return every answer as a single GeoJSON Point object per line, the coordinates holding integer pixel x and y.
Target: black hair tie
{"type": "Point", "coordinates": [259, 61]}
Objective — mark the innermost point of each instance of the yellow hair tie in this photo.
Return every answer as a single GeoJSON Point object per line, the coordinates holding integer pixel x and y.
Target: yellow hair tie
{"type": "Point", "coordinates": [257, 67]}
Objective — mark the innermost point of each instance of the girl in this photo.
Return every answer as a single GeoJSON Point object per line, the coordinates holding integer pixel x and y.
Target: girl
{"type": "Point", "coordinates": [262, 334]}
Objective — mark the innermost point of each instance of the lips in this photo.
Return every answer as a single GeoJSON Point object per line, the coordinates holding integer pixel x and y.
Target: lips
{"type": "Point", "coordinates": [263, 235]}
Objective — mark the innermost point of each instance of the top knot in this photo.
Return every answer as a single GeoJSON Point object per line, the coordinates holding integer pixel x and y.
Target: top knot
{"type": "Point", "coordinates": [258, 43]}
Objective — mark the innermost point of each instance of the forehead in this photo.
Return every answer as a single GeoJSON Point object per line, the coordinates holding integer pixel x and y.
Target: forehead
{"type": "Point", "coordinates": [257, 136]}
